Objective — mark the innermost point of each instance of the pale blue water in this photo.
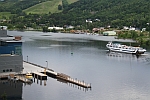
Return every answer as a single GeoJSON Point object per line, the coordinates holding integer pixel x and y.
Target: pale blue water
{"type": "Point", "coordinates": [84, 57]}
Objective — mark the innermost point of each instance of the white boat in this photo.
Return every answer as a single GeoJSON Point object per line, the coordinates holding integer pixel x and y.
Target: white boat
{"type": "Point", "coordinates": [116, 47]}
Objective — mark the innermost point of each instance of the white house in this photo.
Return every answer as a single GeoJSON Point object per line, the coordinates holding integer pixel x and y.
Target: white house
{"type": "Point", "coordinates": [126, 28]}
{"type": "Point", "coordinates": [56, 28]}
{"type": "Point", "coordinates": [109, 33]}
{"type": "Point", "coordinates": [70, 27]}
{"type": "Point", "coordinates": [132, 29]}
{"type": "Point", "coordinates": [3, 27]}
{"type": "Point", "coordinates": [88, 21]}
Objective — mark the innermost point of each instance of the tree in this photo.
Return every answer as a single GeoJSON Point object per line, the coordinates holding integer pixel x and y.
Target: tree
{"type": "Point", "coordinates": [4, 96]}
{"type": "Point", "coordinates": [20, 26]}
{"type": "Point", "coordinates": [45, 29]}
{"type": "Point", "coordinates": [59, 7]}
{"type": "Point", "coordinates": [148, 42]}
{"type": "Point", "coordinates": [134, 35]}
{"type": "Point", "coordinates": [65, 4]}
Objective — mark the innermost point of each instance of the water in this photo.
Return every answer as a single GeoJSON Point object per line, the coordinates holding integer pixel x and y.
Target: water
{"type": "Point", "coordinates": [85, 57]}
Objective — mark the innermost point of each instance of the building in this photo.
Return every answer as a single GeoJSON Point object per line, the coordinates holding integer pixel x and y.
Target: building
{"type": "Point", "coordinates": [109, 33]}
{"type": "Point", "coordinates": [88, 21]}
{"type": "Point", "coordinates": [3, 33]}
{"type": "Point", "coordinates": [3, 27]}
{"type": "Point", "coordinates": [126, 28]}
{"type": "Point", "coordinates": [11, 59]}
{"type": "Point", "coordinates": [56, 28]}
{"type": "Point", "coordinates": [98, 29]}
{"type": "Point", "coordinates": [11, 90]}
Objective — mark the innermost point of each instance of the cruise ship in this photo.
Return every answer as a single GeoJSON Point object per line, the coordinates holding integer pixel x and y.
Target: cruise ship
{"type": "Point", "coordinates": [116, 47]}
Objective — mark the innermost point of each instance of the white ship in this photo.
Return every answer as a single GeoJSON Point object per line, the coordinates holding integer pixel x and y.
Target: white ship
{"type": "Point", "coordinates": [116, 47]}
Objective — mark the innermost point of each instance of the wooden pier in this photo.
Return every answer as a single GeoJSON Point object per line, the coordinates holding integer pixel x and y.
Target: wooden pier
{"type": "Point", "coordinates": [23, 79]}
{"type": "Point", "coordinates": [43, 72]}
{"type": "Point", "coordinates": [39, 76]}
{"type": "Point", "coordinates": [67, 78]}
{"type": "Point", "coordinates": [3, 77]}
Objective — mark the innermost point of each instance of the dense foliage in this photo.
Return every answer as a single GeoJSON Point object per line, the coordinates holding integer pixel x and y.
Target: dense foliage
{"type": "Point", "coordinates": [102, 13]}
{"type": "Point", "coordinates": [143, 38]}
{"type": "Point", "coordinates": [65, 3]}
{"type": "Point", "coordinates": [116, 13]}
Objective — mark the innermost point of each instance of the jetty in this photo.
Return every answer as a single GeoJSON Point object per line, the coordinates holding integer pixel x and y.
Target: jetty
{"type": "Point", "coordinates": [67, 78]}
{"type": "Point", "coordinates": [43, 72]}
{"type": "Point", "coordinates": [23, 79]}
{"type": "Point", "coordinates": [39, 75]}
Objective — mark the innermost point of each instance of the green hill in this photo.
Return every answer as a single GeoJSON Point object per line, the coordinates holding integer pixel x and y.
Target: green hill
{"type": "Point", "coordinates": [46, 7]}
{"type": "Point", "coordinates": [116, 13]}
{"type": "Point", "coordinates": [13, 5]}
{"type": "Point", "coordinates": [32, 6]}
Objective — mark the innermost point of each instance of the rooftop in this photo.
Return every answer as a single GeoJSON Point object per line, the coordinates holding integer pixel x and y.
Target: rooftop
{"type": "Point", "coordinates": [11, 39]}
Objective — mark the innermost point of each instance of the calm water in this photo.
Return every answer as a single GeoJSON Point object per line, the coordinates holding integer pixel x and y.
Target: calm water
{"type": "Point", "coordinates": [85, 57]}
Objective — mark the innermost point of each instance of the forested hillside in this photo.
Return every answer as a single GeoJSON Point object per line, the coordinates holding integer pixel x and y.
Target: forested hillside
{"type": "Point", "coordinates": [109, 12]}
{"type": "Point", "coordinates": [102, 13]}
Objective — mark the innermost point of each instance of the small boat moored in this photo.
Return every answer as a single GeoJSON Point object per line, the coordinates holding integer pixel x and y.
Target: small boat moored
{"type": "Point", "coordinates": [116, 47]}
{"type": "Point", "coordinates": [29, 76]}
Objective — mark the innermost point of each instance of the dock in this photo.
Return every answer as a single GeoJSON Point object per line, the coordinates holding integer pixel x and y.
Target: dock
{"type": "Point", "coordinates": [4, 77]}
{"type": "Point", "coordinates": [23, 79]}
{"type": "Point", "coordinates": [67, 78]}
{"type": "Point", "coordinates": [43, 72]}
{"type": "Point", "coordinates": [39, 76]}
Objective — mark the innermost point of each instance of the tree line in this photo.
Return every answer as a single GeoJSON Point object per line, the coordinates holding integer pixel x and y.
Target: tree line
{"type": "Point", "coordinates": [114, 13]}
{"type": "Point", "coordinates": [143, 38]}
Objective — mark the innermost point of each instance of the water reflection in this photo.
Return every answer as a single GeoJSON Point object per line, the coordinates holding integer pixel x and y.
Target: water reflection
{"type": "Point", "coordinates": [41, 82]}
{"type": "Point", "coordinates": [10, 90]}
{"type": "Point", "coordinates": [74, 85]}
{"type": "Point", "coordinates": [119, 56]}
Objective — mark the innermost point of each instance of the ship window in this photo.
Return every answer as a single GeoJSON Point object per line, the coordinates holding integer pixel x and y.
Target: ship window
{"type": "Point", "coordinates": [7, 70]}
{"type": "Point", "coordinates": [3, 70]}
{"type": "Point", "coordinates": [10, 70]}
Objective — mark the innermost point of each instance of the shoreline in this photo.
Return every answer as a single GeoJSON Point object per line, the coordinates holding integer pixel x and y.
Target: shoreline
{"type": "Point", "coordinates": [48, 35]}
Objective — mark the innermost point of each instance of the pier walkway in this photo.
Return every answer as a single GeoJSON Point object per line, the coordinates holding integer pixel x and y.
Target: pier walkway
{"type": "Point", "coordinates": [23, 79]}
{"type": "Point", "coordinates": [34, 68]}
{"type": "Point", "coordinates": [40, 76]}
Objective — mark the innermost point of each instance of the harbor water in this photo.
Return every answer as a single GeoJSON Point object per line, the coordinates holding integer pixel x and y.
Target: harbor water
{"type": "Point", "coordinates": [113, 76]}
